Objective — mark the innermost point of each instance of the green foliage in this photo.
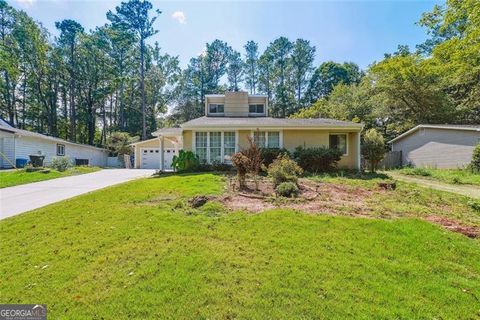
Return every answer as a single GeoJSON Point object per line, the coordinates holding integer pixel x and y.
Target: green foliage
{"type": "Point", "coordinates": [317, 160]}
{"type": "Point", "coordinates": [455, 176]}
{"type": "Point", "coordinates": [60, 163]}
{"type": "Point", "coordinates": [287, 189]}
{"type": "Point", "coordinates": [475, 164]}
{"type": "Point", "coordinates": [417, 172]}
{"type": "Point", "coordinates": [19, 177]}
{"type": "Point", "coordinates": [109, 260]}
{"type": "Point", "coordinates": [119, 143]}
{"type": "Point", "coordinates": [474, 204]}
{"type": "Point", "coordinates": [328, 75]}
{"type": "Point", "coordinates": [284, 169]}
{"type": "Point", "coordinates": [186, 161]}
{"type": "Point", "coordinates": [270, 154]}
{"type": "Point", "coordinates": [373, 148]}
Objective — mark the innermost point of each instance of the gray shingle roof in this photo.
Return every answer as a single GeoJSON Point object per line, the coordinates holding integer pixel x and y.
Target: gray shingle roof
{"type": "Point", "coordinates": [266, 122]}
{"type": "Point", "coordinates": [37, 135]}
{"type": "Point", "coordinates": [472, 127]}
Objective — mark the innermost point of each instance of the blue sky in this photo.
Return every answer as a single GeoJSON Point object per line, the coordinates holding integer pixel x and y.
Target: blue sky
{"type": "Point", "coordinates": [358, 31]}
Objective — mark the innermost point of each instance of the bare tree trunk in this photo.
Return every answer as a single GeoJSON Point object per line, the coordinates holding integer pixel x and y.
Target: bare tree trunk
{"type": "Point", "coordinates": [73, 113]}
{"type": "Point", "coordinates": [142, 88]}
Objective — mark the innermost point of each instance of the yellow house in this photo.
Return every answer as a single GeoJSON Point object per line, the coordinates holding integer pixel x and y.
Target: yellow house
{"type": "Point", "coordinates": [228, 122]}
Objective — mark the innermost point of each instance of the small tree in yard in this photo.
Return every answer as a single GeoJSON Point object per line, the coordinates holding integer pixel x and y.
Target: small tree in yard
{"type": "Point", "coordinates": [475, 164]}
{"type": "Point", "coordinates": [254, 155]}
{"type": "Point", "coordinates": [373, 148]}
{"type": "Point", "coordinates": [119, 144]}
{"type": "Point", "coordinates": [241, 163]}
{"type": "Point", "coordinates": [248, 161]}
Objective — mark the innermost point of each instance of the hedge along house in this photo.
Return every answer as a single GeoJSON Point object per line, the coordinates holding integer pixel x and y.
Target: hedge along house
{"type": "Point", "coordinates": [438, 146]}
{"type": "Point", "coordinates": [17, 144]}
{"type": "Point", "coordinates": [233, 117]}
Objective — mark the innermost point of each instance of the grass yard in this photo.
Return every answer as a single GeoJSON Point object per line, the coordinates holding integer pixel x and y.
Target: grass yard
{"type": "Point", "coordinates": [452, 176]}
{"type": "Point", "coordinates": [144, 253]}
{"type": "Point", "coordinates": [18, 177]}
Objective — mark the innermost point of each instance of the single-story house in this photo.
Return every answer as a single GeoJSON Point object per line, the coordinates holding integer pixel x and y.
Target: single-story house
{"type": "Point", "coordinates": [19, 144]}
{"type": "Point", "coordinates": [233, 117]}
{"type": "Point", "coordinates": [437, 146]}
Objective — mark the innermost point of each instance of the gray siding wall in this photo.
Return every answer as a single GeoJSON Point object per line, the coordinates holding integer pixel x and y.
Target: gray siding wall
{"type": "Point", "coordinates": [438, 148]}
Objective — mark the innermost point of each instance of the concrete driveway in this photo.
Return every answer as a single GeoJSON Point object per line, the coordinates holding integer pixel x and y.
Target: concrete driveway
{"type": "Point", "coordinates": [23, 198]}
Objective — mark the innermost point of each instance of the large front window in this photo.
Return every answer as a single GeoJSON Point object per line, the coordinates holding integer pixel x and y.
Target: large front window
{"type": "Point", "coordinates": [201, 145]}
{"type": "Point", "coordinates": [267, 139]}
{"type": "Point", "coordinates": [215, 146]}
{"type": "Point", "coordinates": [228, 145]}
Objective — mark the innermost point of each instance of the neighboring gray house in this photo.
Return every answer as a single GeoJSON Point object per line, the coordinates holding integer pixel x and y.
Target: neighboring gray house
{"type": "Point", "coordinates": [19, 144]}
{"type": "Point", "coordinates": [438, 146]}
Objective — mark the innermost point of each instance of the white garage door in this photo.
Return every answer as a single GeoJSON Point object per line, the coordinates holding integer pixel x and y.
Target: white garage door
{"type": "Point", "coordinates": [151, 158]}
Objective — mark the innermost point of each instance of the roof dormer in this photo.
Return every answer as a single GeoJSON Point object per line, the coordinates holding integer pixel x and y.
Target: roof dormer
{"type": "Point", "coordinates": [236, 104]}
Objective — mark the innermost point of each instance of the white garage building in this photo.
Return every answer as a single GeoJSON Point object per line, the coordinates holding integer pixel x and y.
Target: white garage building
{"type": "Point", "coordinates": [19, 144]}
{"type": "Point", "coordinates": [147, 152]}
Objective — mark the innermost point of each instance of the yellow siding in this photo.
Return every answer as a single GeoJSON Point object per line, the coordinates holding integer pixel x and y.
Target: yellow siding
{"type": "Point", "coordinates": [187, 140]}
{"type": "Point", "coordinates": [243, 139]}
{"type": "Point", "coordinates": [320, 138]}
{"type": "Point", "coordinates": [295, 138]}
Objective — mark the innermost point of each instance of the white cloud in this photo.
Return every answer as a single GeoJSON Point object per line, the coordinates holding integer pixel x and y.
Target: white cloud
{"type": "Point", "coordinates": [26, 3]}
{"type": "Point", "coordinates": [177, 15]}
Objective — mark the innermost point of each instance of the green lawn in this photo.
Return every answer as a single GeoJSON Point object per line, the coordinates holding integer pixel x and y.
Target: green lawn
{"type": "Point", "coordinates": [18, 177]}
{"type": "Point", "coordinates": [453, 176]}
{"type": "Point", "coordinates": [144, 254]}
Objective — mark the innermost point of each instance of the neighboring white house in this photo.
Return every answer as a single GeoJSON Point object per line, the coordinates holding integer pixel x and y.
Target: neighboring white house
{"type": "Point", "coordinates": [438, 146]}
{"type": "Point", "coordinates": [19, 144]}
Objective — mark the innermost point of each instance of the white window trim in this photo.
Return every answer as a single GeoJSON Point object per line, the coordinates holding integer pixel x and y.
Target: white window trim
{"type": "Point", "coordinates": [280, 137]}
{"type": "Point", "coordinates": [222, 134]}
{"type": "Point", "coordinates": [346, 134]}
{"type": "Point", "coordinates": [58, 154]}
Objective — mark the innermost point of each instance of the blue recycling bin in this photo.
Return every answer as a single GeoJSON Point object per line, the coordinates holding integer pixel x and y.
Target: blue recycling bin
{"type": "Point", "coordinates": [21, 163]}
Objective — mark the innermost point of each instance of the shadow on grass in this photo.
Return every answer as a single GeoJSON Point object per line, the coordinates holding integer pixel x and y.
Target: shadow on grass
{"type": "Point", "coordinates": [189, 174]}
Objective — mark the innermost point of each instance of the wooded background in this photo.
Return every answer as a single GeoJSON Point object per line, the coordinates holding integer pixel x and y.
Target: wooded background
{"type": "Point", "coordinates": [84, 86]}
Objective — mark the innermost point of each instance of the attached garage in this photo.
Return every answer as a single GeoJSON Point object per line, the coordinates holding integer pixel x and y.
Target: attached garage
{"type": "Point", "coordinates": [150, 158]}
{"type": "Point", "coordinates": [147, 153]}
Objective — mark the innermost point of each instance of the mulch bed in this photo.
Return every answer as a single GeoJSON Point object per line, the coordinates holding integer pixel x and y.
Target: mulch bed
{"type": "Point", "coordinates": [317, 198]}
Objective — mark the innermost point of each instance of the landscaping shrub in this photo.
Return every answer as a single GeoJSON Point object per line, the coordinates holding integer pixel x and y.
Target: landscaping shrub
{"type": "Point", "coordinates": [373, 148]}
{"type": "Point", "coordinates": [186, 161]}
{"type": "Point", "coordinates": [284, 169]}
{"type": "Point", "coordinates": [254, 156]}
{"type": "Point", "coordinates": [60, 163]}
{"type": "Point", "coordinates": [241, 163]}
{"type": "Point", "coordinates": [475, 164]}
{"type": "Point", "coordinates": [287, 189]}
{"type": "Point", "coordinates": [270, 154]}
{"type": "Point", "coordinates": [317, 159]}
{"type": "Point", "coordinates": [220, 166]}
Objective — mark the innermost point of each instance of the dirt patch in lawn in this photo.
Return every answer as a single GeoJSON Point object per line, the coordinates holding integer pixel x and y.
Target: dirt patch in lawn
{"type": "Point", "coordinates": [455, 226]}
{"type": "Point", "coordinates": [314, 197]}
